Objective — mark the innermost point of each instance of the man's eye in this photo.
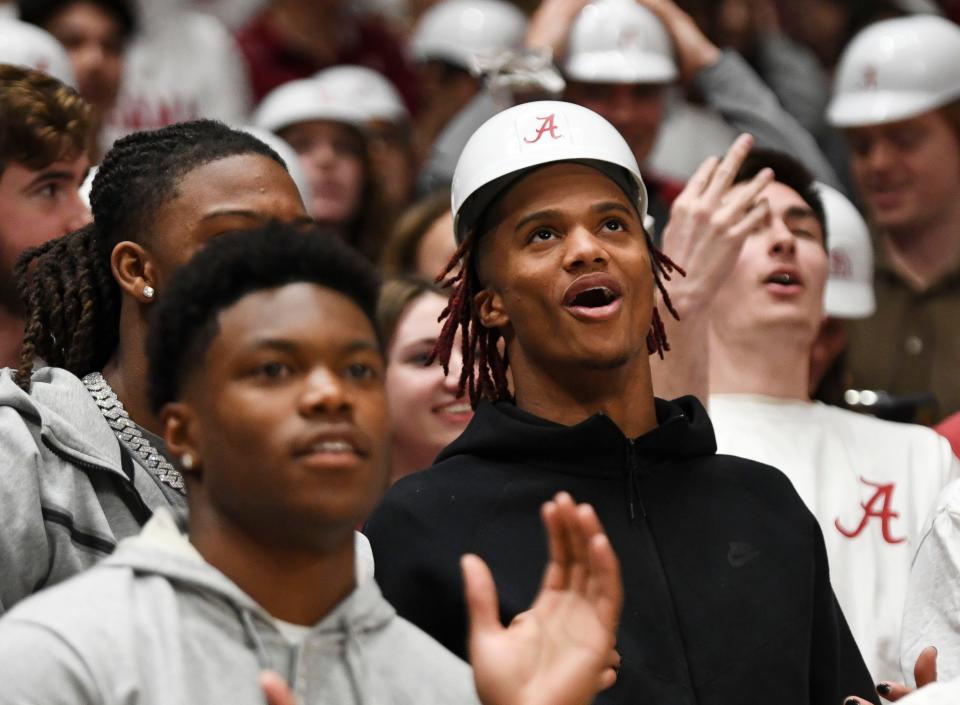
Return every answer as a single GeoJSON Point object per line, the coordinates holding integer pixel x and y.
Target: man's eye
{"type": "Point", "coordinates": [614, 225]}
{"type": "Point", "coordinates": [274, 370]}
{"type": "Point", "coordinates": [49, 190]}
{"type": "Point", "coordinates": [360, 370]}
{"type": "Point", "coordinates": [541, 235]}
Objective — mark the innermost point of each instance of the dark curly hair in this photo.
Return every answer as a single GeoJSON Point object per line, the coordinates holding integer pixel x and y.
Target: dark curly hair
{"type": "Point", "coordinates": [229, 268]}
{"type": "Point", "coordinates": [72, 302]}
{"type": "Point", "coordinates": [788, 171]}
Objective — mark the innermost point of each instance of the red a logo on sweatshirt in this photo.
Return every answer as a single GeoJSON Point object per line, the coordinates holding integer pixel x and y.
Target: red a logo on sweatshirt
{"type": "Point", "coordinates": [879, 506]}
{"type": "Point", "coordinates": [547, 126]}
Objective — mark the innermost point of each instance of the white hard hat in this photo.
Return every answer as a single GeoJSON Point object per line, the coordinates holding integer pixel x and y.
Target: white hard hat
{"type": "Point", "coordinates": [534, 134]}
{"type": "Point", "coordinates": [896, 69]}
{"type": "Point", "coordinates": [23, 44]}
{"type": "Point", "coordinates": [618, 41]}
{"type": "Point", "coordinates": [288, 155]}
{"type": "Point", "coordinates": [459, 31]}
{"type": "Point", "coordinates": [370, 91]}
{"type": "Point", "coordinates": [305, 100]}
{"type": "Point", "coordinates": [849, 290]}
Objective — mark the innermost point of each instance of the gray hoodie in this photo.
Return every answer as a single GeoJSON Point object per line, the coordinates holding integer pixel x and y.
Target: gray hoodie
{"type": "Point", "coordinates": [68, 493]}
{"type": "Point", "coordinates": [155, 624]}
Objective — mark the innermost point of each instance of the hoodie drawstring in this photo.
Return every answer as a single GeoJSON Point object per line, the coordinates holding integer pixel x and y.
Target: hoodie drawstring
{"type": "Point", "coordinates": [252, 638]}
{"type": "Point", "coordinates": [356, 664]}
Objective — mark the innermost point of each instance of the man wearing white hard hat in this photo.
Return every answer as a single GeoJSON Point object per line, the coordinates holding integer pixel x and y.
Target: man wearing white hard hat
{"type": "Point", "coordinates": [447, 41]}
{"type": "Point", "coordinates": [388, 128]}
{"type": "Point", "coordinates": [326, 129]}
{"type": "Point", "coordinates": [869, 483]}
{"type": "Point", "coordinates": [621, 56]}
{"type": "Point", "coordinates": [44, 157]}
{"type": "Point", "coordinates": [727, 593]}
{"type": "Point", "coordinates": [897, 98]}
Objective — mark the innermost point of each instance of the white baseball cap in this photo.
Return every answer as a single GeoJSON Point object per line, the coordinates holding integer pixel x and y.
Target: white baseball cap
{"type": "Point", "coordinates": [531, 135]}
{"type": "Point", "coordinates": [618, 41]}
{"type": "Point", "coordinates": [896, 69]}
{"type": "Point", "coordinates": [368, 90]}
{"type": "Point", "coordinates": [460, 31]}
{"type": "Point", "coordinates": [23, 44]}
{"type": "Point", "coordinates": [306, 100]}
{"type": "Point", "coordinates": [849, 290]}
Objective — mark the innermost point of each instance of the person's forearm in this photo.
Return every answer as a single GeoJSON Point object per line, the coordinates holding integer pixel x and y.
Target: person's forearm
{"type": "Point", "coordinates": [735, 90]}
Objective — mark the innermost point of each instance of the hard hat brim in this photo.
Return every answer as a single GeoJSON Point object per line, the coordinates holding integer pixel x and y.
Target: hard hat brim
{"type": "Point", "coordinates": [846, 299]}
{"type": "Point", "coordinates": [620, 67]}
{"type": "Point", "coordinates": [879, 107]}
{"type": "Point", "coordinates": [480, 200]}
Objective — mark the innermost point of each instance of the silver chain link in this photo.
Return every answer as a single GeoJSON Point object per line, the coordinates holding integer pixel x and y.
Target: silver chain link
{"type": "Point", "coordinates": [128, 432]}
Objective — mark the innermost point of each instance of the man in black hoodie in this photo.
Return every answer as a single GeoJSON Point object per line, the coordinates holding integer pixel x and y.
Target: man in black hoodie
{"type": "Point", "coordinates": [728, 597]}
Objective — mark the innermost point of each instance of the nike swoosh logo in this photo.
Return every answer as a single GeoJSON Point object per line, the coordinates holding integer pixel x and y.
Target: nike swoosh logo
{"type": "Point", "coordinates": [741, 553]}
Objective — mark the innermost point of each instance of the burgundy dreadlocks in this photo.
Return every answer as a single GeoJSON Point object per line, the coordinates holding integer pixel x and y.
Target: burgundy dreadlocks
{"type": "Point", "coordinates": [484, 373]}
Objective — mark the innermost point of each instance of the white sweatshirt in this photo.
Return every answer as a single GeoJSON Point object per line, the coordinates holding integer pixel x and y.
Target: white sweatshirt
{"type": "Point", "coordinates": [871, 485]}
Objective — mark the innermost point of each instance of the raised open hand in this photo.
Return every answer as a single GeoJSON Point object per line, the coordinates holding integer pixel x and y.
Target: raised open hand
{"type": "Point", "coordinates": [709, 222]}
{"type": "Point", "coordinates": [561, 650]}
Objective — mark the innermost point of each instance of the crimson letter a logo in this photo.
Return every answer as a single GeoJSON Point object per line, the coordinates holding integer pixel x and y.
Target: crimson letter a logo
{"type": "Point", "coordinates": [547, 127]}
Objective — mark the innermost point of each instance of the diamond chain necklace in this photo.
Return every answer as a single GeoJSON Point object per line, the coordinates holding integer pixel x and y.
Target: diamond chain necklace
{"type": "Point", "coordinates": [128, 433]}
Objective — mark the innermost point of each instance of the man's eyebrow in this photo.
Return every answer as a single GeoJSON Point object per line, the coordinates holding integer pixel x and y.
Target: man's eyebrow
{"type": "Point", "coordinates": [536, 215]}
{"type": "Point", "coordinates": [231, 212]}
{"type": "Point", "coordinates": [51, 175]}
{"type": "Point", "coordinates": [287, 345]}
{"type": "Point", "coordinates": [799, 212]}
{"type": "Point", "coordinates": [607, 206]}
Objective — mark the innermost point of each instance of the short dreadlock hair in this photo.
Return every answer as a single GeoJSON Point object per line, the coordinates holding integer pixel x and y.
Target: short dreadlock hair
{"type": "Point", "coordinates": [484, 373]}
{"type": "Point", "coordinates": [72, 302]}
{"type": "Point", "coordinates": [42, 121]}
{"type": "Point", "coordinates": [231, 267]}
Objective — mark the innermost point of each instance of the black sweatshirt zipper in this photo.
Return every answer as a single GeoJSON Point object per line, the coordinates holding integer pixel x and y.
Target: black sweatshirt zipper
{"type": "Point", "coordinates": [633, 484]}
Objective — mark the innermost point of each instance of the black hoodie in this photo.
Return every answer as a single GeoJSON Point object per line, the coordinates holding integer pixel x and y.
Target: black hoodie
{"type": "Point", "coordinates": [727, 592]}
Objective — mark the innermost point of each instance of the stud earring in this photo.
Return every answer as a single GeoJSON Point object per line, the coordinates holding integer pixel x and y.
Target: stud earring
{"type": "Point", "coordinates": [148, 291]}
{"type": "Point", "coordinates": [186, 461]}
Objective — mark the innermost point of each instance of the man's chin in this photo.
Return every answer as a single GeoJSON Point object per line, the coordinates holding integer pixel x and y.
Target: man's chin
{"type": "Point", "coordinates": [608, 361]}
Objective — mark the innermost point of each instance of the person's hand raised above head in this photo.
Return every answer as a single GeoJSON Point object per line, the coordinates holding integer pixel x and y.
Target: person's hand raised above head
{"type": "Point", "coordinates": [694, 50]}
{"type": "Point", "coordinates": [561, 650]}
{"type": "Point", "coordinates": [550, 25]}
{"type": "Point", "coordinates": [709, 222]}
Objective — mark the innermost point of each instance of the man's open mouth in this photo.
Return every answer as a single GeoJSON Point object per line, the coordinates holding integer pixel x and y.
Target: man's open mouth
{"type": "Point", "coordinates": [593, 296]}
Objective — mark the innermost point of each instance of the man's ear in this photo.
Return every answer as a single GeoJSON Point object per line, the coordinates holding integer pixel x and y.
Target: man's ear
{"type": "Point", "coordinates": [180, 435]}
{"type": "Point", "coordinates": [490, 309]}
{"type": "Point", "coordinates": [134, 271]}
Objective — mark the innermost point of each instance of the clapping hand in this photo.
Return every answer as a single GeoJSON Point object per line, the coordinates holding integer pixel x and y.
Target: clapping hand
{"type": "Point", "coordinates": [561, 650]}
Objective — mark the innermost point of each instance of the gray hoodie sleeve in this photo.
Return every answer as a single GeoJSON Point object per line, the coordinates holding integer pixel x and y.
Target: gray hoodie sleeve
{"type": "Point", "coordinates": [735, 90]}
{"type": "Point", "coordinates": [24, 548]}
{"type": "Point", "coordinates": [38, 667]}
{"type": "Point", "coordinates": [795, 76]}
